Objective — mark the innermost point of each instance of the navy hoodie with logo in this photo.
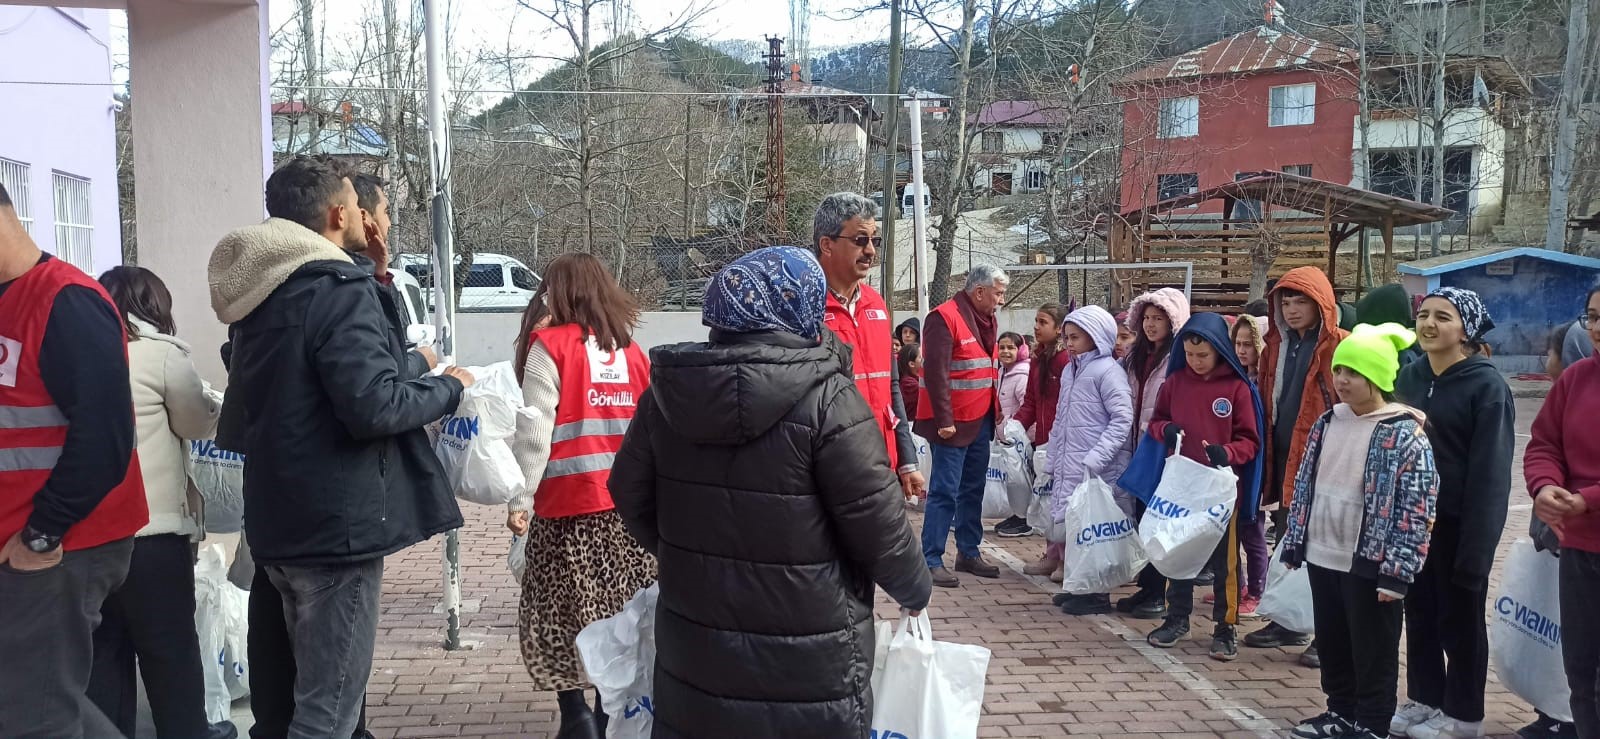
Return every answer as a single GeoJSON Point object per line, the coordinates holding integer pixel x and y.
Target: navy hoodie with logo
{"type": "Point", "coordinates": [1220, 407]}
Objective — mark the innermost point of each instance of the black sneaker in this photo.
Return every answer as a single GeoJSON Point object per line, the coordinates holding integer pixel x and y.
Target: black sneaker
{"type": "Point", "coordinates": [1206, 577]}
{"type": "Point", "coordinates": [1326, 726]}
{"type": "Point", "coordinates": [1154, 610]}
{"type": "Point", "coordinates": [1140, 597]}
{"type": "Point", "coordinates": [1311, 658]}
{"type": "Point", "coordinates": [1224, 644]}
{"type": "Point", "coordinates": [1168, 634]}
{"type": "Point", "coordinates": [1087, 605]}
{"type": "Point", "coordinates": [1015, 527]}
{"type": "Point", "coordinates": [1273, 635]}
{"type": "Point", "coordinates": [1542, 728]}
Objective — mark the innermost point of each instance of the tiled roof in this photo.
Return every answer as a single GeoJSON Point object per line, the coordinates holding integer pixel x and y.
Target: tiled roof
{"type": "Point", "coordinates": [1260, 49]}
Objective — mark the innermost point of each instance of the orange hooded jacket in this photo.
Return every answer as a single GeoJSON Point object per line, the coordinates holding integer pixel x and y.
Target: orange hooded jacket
{"type": "Point", "coordinates": [1318, 396]}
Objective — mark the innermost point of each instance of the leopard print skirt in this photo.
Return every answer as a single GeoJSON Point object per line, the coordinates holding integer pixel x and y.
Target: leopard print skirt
{"type": "Point", "coordinates": [580, 570]}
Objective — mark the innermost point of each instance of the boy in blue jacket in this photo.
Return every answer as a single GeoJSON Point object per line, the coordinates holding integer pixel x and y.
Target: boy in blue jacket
{"type": "Point", "coordinates": [1208, 399]}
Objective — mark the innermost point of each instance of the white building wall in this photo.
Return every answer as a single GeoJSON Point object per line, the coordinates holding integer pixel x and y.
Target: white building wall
{"type": "Point", "coordinates": [1472, 128]}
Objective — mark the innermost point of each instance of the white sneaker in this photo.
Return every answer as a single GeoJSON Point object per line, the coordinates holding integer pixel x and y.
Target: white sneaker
{"type": "Point", "coordinates": [1411, 715]}
{"type": "Point", "coordinates": [1444, 727]}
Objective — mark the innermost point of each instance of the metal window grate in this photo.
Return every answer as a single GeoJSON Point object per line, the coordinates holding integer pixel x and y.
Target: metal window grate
{"type": "Point", "coordinates": [74, 221]}
{"type": "Point", "coordinates": [14, 176]}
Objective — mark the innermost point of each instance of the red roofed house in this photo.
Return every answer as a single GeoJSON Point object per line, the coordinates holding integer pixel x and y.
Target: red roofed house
{"type": "Point", "coordinates": [1017, 142]}
{"type": "Point", "coordinates": [1264, 99]}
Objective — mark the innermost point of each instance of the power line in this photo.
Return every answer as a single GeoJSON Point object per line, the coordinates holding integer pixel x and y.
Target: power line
{"type": "Point", "coordinates": [365, 88]}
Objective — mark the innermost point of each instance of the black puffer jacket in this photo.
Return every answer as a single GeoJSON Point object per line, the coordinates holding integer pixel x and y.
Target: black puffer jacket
{"type": "Point", "coordinates": [755, 473]}
{"type": "Point", "coordinates": [321, 402]}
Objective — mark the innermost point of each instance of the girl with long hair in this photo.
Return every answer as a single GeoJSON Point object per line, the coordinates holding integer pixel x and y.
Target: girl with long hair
{"type": "Point", "coordinates": [582, 376]}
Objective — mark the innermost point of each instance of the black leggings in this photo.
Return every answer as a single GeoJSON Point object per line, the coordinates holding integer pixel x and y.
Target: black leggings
{"type": "Point", "coordinates": [1359, 638]}
{"type": "Point", "coordinates": [148, 625]}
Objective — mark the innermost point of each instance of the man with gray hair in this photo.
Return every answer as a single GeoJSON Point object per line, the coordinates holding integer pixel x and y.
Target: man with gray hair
{"type": "Point", "coordinates": [956, 411]}
{"type": "Point", "coordinates": [844, 233]}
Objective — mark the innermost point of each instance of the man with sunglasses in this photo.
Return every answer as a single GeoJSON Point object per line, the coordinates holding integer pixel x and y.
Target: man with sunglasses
{"type": "Point", "coordinates": [845, 236]}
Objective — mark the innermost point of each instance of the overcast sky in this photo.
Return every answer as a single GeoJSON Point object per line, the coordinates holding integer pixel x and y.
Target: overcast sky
{"type": "Point", "coordinates": [478, 24]}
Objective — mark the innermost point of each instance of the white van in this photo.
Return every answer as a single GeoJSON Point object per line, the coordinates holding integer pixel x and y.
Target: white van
{"type": "Point", "coordinates": [908, 199]}
{"type": "Point", "coordinates": [496, 284]}
{"type": "Point", "coordinates": [414, 310]}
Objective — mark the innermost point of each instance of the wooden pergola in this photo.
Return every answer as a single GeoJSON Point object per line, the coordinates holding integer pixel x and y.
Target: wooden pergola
{"type": "Point", "coordinates": [1271, 222]}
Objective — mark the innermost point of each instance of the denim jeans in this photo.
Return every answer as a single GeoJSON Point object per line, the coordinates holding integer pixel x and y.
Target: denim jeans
{"type": "Point", "coordinates": [332, 617]}
{"type": "Point", "coordinates": [47, 623]}
{"type": "Point", "coordinates": [955, 494]}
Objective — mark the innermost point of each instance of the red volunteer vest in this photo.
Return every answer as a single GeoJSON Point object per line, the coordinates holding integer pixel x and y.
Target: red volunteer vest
{"type": "Point", "coordinates": [868, 333]}
{"type": "Point", "coordinates": [33, 430]}
{"type": "Point", "coordinates": [974, 377]}
{"type": "Point", "coordinates": [600, 391]}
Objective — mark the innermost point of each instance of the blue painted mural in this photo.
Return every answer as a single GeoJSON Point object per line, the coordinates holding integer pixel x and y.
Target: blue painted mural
{"type": "Point", "coordinates": [1530, 302]}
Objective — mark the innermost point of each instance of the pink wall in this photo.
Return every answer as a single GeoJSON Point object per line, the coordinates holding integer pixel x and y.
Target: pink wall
{"type": "Point", "coordinates": [1234, 135]}
{"type": "Point", "coordinates": [65, 128]}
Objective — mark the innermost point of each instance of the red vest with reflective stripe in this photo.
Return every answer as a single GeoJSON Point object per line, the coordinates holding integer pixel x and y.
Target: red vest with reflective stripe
{"type": "Point", "coordinates": [600, 391]}
{"type": "Point", "coordinates": [868, 334]}
{"type": "Point", "coordinates": [32, 429]}
{"type": "Point", "coordinates": [974, 379]}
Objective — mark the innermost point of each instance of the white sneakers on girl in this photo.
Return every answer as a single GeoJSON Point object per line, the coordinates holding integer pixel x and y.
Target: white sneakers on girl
{"type": "Point", "coordinates": [1411, 715]}
{"type": "Point", "coordinates": [1444, 727]}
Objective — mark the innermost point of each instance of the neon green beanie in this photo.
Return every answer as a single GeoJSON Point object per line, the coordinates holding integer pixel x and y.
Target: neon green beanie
{"type": "Point", "coordinates": [1374, 352]}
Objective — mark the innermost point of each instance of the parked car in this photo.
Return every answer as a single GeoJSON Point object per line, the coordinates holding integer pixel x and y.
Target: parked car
{"type": "Point", "coordinates": [496, 284]}
{"type": "Point", "coordinates": [414, 310]}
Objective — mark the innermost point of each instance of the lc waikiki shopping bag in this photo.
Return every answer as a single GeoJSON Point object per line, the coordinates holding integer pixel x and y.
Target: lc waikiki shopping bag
{"type": "Point", "coordinates": [474, 443]}
{"type": "Point", "coordinates": [1103, 551]}
{"type": "Point", "coordinates": [926, 689]}
{"type": "Point", "coordinates": [1009, 486]}
{"type": "Point", "coordinates": [1287, 600]}
{"type": "Point", "coordinates": [1187, 515]}
{"type": "Point", "coordinates": [1525, 631]}
{"type": "Point", "coordinates": [221, 622]}
{"type": "Point", "coordinates": [619, 655]}
{"type": "Point", "coordinates": [1039, 508]}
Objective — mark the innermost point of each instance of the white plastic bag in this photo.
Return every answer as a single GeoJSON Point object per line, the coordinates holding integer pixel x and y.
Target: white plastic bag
{"type": "Point", "coordinates": [474, 442]}
{"type": "Point", "coordinates": [517, 558]}
{"type": "Point", "coordinates": [1009, 486]}
{"type": "Point", "coordinates": [221, 621]}
{"type": "Point", "coordinates": [1187, 515]}
{"type": "Point", "coordinates": [1525, 633]}
{"type": "Point", "coordinates": [619, 654]}
{"type": "Point", "coordinates": [925, 689]}
{"type": "Point", "coordinates": [924, 457]}
{"type": "Point", "coordinates": [1287, 600]}
{"type": "Point", "coordinates": [1104, 549]}
{"type": "Point", "coordinates": [219, 476]}
{"type": "Point", "coordinates": [1039, 509]}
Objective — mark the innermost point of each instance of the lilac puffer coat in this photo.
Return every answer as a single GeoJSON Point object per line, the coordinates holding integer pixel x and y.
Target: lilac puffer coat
{"type": "Point", "coordinates": [1094, 414]}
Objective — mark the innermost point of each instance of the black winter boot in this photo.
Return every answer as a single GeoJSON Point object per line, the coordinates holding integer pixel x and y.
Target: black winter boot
{"type": "Point", "coordinates": [577, 720]}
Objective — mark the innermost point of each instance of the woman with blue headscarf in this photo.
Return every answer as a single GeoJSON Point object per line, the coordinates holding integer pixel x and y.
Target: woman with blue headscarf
{"type": "Point", "coordinates": [756, 474]}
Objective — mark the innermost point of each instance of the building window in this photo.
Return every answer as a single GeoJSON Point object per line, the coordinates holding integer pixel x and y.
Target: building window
{"type": "Point", "coordinates": [74, 221]}
{"type": "Point", "coordinates": [994, 142]}
{"type": "Point", "coordinates": [1292, 105]}
{"type": "Point", "coordinates": [1304, 170]}
{"type": "Point", "coordinates": [1037, 178]}
{"type": "Point", "coordinates": [14, 176]}
{"type": "Point", "coordinates": [1180, 118]}
{"type": "Point", "coordinates": [1169, 186]}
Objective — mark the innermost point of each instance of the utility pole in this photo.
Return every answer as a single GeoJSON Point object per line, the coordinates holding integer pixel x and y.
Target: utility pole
{"type": "Point", "coordinates": [777, 211]}
{"type": "Point", "coordinates": [444, 310]}
{"type": "Point", "coordinates": [891, 146]}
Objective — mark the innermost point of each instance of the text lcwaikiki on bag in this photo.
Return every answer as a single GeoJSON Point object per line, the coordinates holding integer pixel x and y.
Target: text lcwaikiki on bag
{"type": "Point", "coordinates": [1187, 515]}
{"type": "Point", "coordinates": [474, 442]}
{"type": "Point", "coordinates": [1525, 631]}
{"type": "Point", "coordinates": [1102, 543]}
{"type": "Point", "coordinates": [924, 689]}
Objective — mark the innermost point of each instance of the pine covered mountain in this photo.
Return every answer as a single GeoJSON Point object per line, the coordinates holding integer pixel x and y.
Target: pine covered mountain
{"type": "Point", "coordinates": [864, 68]}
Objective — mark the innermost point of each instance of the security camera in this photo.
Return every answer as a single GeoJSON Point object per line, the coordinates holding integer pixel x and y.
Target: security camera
{"type": "Point", "coordinates": [116, 105]}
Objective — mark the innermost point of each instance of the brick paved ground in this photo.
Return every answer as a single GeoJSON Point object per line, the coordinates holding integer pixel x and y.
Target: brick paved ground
{"type": "Point", "coordinates": [1052, 675]}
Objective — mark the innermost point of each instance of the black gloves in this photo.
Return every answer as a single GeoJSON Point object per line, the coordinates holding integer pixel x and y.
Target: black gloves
{"type": "Point", "coordinates": [1170, 436]}
{"type": "Point", "coordinates": [1217, 454]}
